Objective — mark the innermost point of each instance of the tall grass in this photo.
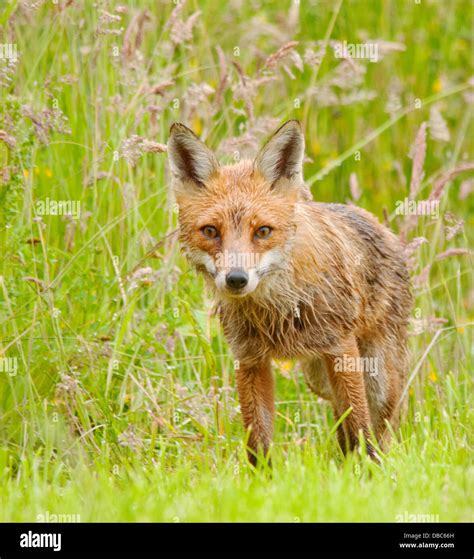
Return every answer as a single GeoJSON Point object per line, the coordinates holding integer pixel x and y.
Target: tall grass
{"type": "Point", "coordinates": [122, 405]}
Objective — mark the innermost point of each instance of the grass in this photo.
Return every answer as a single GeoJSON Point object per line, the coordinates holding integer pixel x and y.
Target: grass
{"type": "Point", "coordinates": [122, 406]}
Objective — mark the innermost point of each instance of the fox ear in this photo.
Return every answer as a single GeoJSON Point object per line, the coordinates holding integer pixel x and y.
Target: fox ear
{"type": "Point", "coordinates": [282, 156]}
{"type": "Point", "coordinates": [190, 159]}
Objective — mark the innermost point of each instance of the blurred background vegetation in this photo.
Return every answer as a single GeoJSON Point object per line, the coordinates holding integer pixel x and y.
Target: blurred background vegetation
{"type": "Point", "coordinates": [124, 384]}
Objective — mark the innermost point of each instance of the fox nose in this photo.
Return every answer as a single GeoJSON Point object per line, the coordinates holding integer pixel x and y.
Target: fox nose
{"type": "Point", "coordinates": [237, 278]}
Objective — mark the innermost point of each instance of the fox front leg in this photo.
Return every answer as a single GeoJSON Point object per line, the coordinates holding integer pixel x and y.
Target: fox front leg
{"type": "Point", "coordinates": [346, 378]}
{"type": "Point", "coordinates": [255, 386]}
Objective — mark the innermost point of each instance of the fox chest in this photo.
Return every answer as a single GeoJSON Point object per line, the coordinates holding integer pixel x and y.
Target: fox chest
{"type": "Point", "coordinates": [302, 333]}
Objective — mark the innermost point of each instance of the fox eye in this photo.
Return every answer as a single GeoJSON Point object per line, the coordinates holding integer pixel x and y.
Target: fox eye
{"type": "Point", "coordinates": [263, 232]}
{"type": "Point", "coordinates": [210, 232]}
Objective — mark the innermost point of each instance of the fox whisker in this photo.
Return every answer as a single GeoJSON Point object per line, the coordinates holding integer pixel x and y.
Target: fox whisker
{"type": "Point", "coordinates": [269, 270]}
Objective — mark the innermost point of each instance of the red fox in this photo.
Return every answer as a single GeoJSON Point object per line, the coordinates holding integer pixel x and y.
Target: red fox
{"type": "Point", "coordinates": [293, 278]}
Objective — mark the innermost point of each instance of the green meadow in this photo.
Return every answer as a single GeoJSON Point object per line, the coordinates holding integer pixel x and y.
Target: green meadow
{"type": "Point", "coordinates": [117, 388]}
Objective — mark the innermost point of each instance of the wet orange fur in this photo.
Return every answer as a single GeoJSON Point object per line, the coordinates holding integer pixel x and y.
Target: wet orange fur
{"type": "Point", "coordinates": [343, 291]}
{"type": "Point", "coordinates": [225, 192]}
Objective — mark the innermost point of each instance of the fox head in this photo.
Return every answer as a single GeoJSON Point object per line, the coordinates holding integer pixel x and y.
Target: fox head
{"type": "Point", "coordinates": [237, 221]}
